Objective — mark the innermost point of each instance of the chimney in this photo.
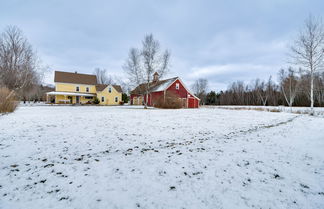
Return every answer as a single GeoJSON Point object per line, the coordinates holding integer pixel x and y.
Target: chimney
{"type": "Point", "coordinates": [76, 72]}
{"type": "Point", "coordinates": [155, 77]}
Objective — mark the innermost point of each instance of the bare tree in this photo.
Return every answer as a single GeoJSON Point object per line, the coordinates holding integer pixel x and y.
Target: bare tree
{"type": "Point", "coordinates": [308, 51]}
{"type": "Point", "coordinates": [143, 63]}
{"type": "Point", "coordinates": [261, 90]}
{"type": "Point", "coordinates": [200, 88]}
{"type": "Point", "coordinates": [123, 84]}
{"type": "Point", "coordinates": [102, 76]}
{"type": "Point", "coordinates": [289, 85]}
{"type": "Point", "coordinates": [18, 61]}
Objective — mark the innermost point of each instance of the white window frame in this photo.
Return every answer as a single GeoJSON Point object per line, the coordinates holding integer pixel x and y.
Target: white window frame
{"type": "Point", "coordinates": [177, 86]}
{"type": "Point", "coordinates": [77, 88]}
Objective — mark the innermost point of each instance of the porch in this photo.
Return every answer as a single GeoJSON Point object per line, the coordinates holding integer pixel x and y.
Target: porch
{"type": "Point", "coordinates": [69, 97]}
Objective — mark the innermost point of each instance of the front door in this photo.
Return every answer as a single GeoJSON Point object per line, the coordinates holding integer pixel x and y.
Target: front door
{"type": "Point", "coordinates": [77, 98]}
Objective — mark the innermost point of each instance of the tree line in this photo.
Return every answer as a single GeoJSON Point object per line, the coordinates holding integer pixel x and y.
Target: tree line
{"type": "Point", "coordinates": [292, 90]}
{"type": "Point", "coordinates": [302, 84]}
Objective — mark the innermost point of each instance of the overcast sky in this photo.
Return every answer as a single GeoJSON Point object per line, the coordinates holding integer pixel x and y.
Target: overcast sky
{"type": "Point", "coordinates": [222, 41]}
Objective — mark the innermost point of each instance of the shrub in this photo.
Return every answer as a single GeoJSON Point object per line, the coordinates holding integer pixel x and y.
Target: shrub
{"type": "Point", "coordinates": [274, 110]}
{"type": "Point", "coordinates": [7, 101]}
{"type": "Point", "coordinates": [96, 100]}
{"type": "Point", "coordinates": [171, 101]}
{"type": "Point", "coordinates": [125, 98]}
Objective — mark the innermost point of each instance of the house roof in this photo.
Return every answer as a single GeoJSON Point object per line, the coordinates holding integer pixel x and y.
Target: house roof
{"type": "Point", "coordinates": [76, 78]}
{"type": "Point", "coordinates": [154, 86]}
{"type": "Point", "coordinates": [101, 87]}
{"type": "Point", "coordinates": [118, 88]}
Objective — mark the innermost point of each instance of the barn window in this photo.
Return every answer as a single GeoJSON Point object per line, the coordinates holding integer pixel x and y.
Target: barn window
{"type": "Point", "coordinates": [102, 99]}
{"type": "Point", "coordinates": [77, 88]}
{"type": "Point", "coordinates": [177, 86]}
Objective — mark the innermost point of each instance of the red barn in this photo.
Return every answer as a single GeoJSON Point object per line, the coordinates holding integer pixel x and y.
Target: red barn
{"type": "Point", "coordinates": [159, 88]}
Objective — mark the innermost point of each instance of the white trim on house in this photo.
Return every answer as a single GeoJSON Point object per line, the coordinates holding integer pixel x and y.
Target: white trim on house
{"type": "Point", "coordinates": [69, 93]}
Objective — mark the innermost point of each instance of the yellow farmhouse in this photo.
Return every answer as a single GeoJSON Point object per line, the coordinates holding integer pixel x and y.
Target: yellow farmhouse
{"type": "Point", "coordinates": [77, 88]}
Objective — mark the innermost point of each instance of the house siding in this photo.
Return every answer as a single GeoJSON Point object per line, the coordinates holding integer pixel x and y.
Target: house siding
{"type": "Point", "coordinates": [66, 87]}
{"type": "Point", "coordinates": [109, 97]}
{"type": "Point", "coordinates": [72, 88]}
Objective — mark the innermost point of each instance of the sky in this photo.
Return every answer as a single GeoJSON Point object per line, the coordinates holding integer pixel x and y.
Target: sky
{"type": "Point", "coordinates": [221, 41]}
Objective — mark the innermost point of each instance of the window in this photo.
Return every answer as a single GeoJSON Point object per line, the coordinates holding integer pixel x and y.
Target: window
{"type": "Point", "coordinates": [77, 88]}
{"type": "Point", "coordinates": [87, 89]}
{"type": "Point", "coordinates": [88, 97]}
{"type": "Point", "coordinates": [109, 89]}
{"type": "Point", "coordinates": [177, 86]}
{"type": "Point", "coordinates": [116, 99]}
{"type": "Point", "coordinates": [102, 99]}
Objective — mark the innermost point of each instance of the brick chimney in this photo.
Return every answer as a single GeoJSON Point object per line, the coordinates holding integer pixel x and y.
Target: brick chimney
{"type": "Point", "coordinates": [155, 77]}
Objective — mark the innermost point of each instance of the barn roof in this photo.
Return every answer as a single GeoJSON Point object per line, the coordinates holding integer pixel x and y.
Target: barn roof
{"type": "Point", "coordinates": [154, 86]}
{"type": "Point", "coordinates": [76, 78]}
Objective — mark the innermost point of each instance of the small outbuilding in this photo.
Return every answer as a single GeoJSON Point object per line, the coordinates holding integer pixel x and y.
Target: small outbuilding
{"type": "Point", "coordinates": [159, 88]}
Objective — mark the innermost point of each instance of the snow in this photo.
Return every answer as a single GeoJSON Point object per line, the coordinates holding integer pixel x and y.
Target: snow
{"type": "Point", "coordinates": [163, 86]}
{"type": "Point", "coordinates": [128, 157]}
{"type": "Point", "coordinates": [319, 111]}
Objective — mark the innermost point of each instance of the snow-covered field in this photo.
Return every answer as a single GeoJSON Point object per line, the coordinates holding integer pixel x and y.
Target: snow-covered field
{"type": "Point", "coordinates": [126, 157]}
{"type": "Point", "coordinates": [318, 111]}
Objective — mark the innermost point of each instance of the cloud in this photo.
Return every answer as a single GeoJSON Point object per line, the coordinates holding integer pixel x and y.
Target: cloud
{"type": "Point", "coordinates": [222, 41]}
{"type": "Point", "coordinates": [220, 76]}
{"type": "Point", "coordinates": [236, 70]}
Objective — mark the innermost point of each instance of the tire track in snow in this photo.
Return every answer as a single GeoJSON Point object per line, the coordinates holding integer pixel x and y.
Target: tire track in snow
{"type": "Point", "coordinates": [258, 128]}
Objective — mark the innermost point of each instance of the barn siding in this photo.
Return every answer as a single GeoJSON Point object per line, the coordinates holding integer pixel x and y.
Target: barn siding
{"type": "Point", "coordinates": [155, 96]}
{"type": "Point", "coordinates": [181, 92]}
{"type": "Point", "coordinates": [193, 102]}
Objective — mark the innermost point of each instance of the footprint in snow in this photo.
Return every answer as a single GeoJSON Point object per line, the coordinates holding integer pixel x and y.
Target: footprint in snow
{"type": "Point", "coordinates": [172, 188]}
